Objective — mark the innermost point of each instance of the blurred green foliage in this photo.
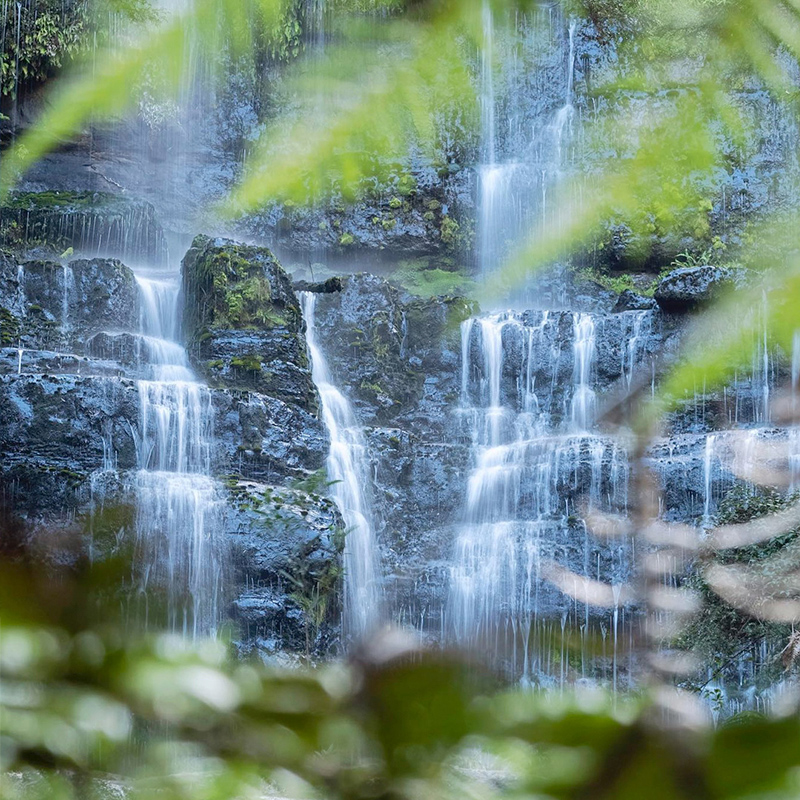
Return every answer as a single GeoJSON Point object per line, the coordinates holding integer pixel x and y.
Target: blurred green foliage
{"type": "Point", "coordinates": [91, 707]}
{"type": "Point", "coordinates": [42, 36]}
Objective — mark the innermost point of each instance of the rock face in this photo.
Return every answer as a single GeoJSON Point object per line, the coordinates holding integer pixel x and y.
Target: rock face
{"type": "Point", "coordinates": [690, 288]}
{"type": "Point", "coordinates": [423, 212]}
{"type": "Point", "coordinates": [72, 362]}
{"type": "Point", "coordinates": [398, 359]}
{"type": "Point", "coordinates": [44, 304]}
{"type": "Point", "coordinates": [631, 301]}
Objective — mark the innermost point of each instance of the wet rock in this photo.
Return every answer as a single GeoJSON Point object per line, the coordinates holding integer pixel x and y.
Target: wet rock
{"type": "Point", "coordinates": [243, 323]}
{"type": "Point", "coordinates": [15, 360]}
{"type": "Point", "coordinates": [329, 286]}
{"type": "Point", "coordinates": [287, 546]}
{"type": "Point", "coordinates": [397, 355]}
{"type": "Point", "coordinates": [266, 439]}
{"type": "Point", "coordinates": [690, 288]}
{"type": "Point", "coordinates": [631, 301]}
{"type": "Point", "coordinates": [421, 212]}
{"type": "Point", "coordinates": [47, 305]}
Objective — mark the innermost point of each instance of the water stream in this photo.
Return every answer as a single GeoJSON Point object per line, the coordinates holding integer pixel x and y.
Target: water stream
{"type": "Point", "coordinates": [537, 468]}
{"type": "Point", "coordinates": [348, 473]}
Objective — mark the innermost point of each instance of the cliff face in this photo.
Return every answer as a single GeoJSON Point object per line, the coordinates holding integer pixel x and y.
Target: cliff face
{"type": "Point", "coordinates": [429, 379]}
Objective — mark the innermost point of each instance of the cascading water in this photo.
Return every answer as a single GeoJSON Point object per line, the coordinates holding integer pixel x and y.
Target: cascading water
{"type": "Point", "coordinates": [178, 523]}
{"type": "Point", "coordinates": [532, 476]}
{"type": "Point", "coordinates": [583, 397]}
{"type": "Point", "coordinates": [347, 470]}
{"type": "Point", "coordinates": [525, 157]}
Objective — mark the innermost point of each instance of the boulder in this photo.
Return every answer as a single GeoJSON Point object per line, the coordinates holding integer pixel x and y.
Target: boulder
{"type": "Point", "coordinates": [689, 288]}
{"type": "Point", "coordinates": [287, 549]}
{"type": "Point", "coordinates": [242, 321]}
{"type": "Point", "coordinates": [632, 301]}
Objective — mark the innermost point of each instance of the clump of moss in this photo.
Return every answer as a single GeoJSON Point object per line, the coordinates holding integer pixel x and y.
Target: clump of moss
{"type": "Point", "coordinates": [420, 278]}
{"type": "Point", "coordinates": [449, 230]}
{"type": "Point", "coordinates": [231, 288]}
{"type": "Point", "coordinates": [247, 363]}
{"type": "Point", "coordinates": [406, 185]}
{"type": "Point", "coordinates": [346, 239]}
{"type": "Point", "coordinates": [614, 283]}
{"type": "Point", "coordinates": [9, 327]}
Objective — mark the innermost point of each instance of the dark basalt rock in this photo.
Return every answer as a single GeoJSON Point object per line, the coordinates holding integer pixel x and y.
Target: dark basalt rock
{"type": "Point", "coordinates": [329, 286]}
{"type": "Point", "coordinates": [423, 212]}
{"type": "Point", "coordinates": [46, 305]}
{"type": "Point", "coordinates": [398, 355]}
{"type": "Point", "coordinates": [691, 288]}
{"type": "Point", "coordinates": [631, 301]}
{"type": "Point", "coordinates": [92, 223]}
{"type": "Point", "coordinates": [265, 439]}
{"type": "Point", "coordinates": [242, 321]}
{"type": "Point", "coordinates": [287, 546]}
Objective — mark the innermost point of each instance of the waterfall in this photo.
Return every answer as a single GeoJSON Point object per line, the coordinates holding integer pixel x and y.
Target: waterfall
{"type": "Point", "coordinates": [563, 119]}
{"type": "Point", "coordinates": [522, 149]}
{"type": "Point", "coordinates": [348, 472]}
{"type": "Point", "coordinates": [709, 456]}
{"type": "Point", "coordinates": [641, 325]}
{"type": "Point", "coordinates": [487, 95]}
{"type": "Point", "coordinates": [583, 397]}
{"type": "Point", "coordinates": [521, 504]}
{"type": "Point", "coordinates": [68, 287]}
{"type": "Point", "coordinates": [178, 522]}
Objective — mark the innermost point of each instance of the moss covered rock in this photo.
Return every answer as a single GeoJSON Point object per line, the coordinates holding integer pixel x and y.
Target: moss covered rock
{"type": "Point", "coordinates": [242, 321]}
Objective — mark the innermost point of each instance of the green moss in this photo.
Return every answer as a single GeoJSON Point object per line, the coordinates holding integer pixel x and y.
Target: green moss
{"type": "Point", "coordinates": [395, 203]}
{"type": "Point", "coordinates": [449, 229]}
{"type": "Point", "coordinates": [416, 276]}
{"type": "Point", "coordinates": [51, 201]}
{"type": "Point", "coordinates": [388, 224]}
{"type": "Point", "coordinates": [346, 239]}
{"type": "Point", "coordinates": [9, 327]}
{"type": "Point", "coordinates": [614, 283]}
{"type": "Point", "coordinates": [406, 185]}
{"type": "Point", "coordinates": [429, 216]}
{"type": "Point", "coordinates": [248, 363]}
{"type": "Point", "coordinates": [376, 388]}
